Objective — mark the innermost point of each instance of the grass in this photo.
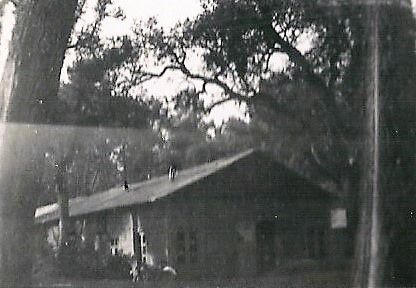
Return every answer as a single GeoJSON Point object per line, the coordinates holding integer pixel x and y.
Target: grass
{"type": "Point", "coordinates": [305, 275]}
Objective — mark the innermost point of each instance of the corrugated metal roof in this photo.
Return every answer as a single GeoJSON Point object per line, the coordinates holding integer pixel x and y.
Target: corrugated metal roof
{"type": "Point", "coordinates": [142, 192]}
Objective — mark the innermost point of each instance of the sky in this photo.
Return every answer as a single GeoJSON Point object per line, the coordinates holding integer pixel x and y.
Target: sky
{"type": "Point", "coordinates": [167, 16]}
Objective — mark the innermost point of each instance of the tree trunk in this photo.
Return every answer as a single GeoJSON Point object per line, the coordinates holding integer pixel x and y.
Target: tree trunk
{"type": "Point", "coordinates": [63, 202]}
{"type": "Point", "coordinates": [28, 93]}
{"type": "Point", "coordinates": [64, 256]}
{"type": "Point", "coordinates": [64, 225]}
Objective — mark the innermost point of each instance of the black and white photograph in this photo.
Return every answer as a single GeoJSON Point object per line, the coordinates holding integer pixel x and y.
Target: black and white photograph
{"type": "Point", "coordinates": [207, 143]}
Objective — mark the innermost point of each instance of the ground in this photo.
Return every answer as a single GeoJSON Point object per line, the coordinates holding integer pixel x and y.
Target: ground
{"type": "Point", "coordinates": [307, 275]}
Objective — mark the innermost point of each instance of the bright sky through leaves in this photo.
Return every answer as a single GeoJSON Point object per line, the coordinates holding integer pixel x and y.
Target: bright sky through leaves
{"type": "Point", "coordinates": [167, 12]}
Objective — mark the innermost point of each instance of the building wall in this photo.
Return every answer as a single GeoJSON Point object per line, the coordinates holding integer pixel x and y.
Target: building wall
{"type": "Point", "coordinates": [218, 218]}
{"type": "Point", "coordinates": [152, 224]}
{"type": "Point", "coordinates": [120, 232]}
{"type": "Point", "coordinates": [212, 228]}
{"type": "Point", "coordinates": [109, 232]}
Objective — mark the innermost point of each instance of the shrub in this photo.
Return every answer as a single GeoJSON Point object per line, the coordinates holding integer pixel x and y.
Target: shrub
{"type": "Point", "coordinates": [117, 267]}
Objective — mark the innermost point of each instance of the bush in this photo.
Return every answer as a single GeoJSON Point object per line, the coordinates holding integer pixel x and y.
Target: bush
{"type": "Point", "coordinates": [86, 263]}
{"type": "Point", "coordinates": [117, 267]}
{"type": "Point", "coordinates": [76, 260]}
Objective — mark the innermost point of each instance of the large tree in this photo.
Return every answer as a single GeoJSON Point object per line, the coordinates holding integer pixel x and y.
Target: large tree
{"type": "Point", "coordinates": [238, 42]}
{"type": "Point", "coordinates": [29, 89]}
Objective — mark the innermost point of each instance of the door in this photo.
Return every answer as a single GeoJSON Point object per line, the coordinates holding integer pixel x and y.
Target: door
{"type": "Point", "coordinates": [266, 254]}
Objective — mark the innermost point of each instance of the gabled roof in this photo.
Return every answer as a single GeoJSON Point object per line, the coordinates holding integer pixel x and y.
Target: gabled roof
{"type": "Point", "coordinates": [142, 192]}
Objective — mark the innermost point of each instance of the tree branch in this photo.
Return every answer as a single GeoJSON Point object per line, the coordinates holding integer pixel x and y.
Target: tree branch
{"type": "Point", "coordinates": [180, 66]}
{"type": "Point", "coordinates": [295, 56]}
{"type": "Point", "coordinates": [323, 167]}
{"type": "Point", "coordinates": [147, 76]}
{"type": "Point", "coordinates": [215, 104]}
{"type": "Point", "coordinates": [14, 2]}
{"type": "Point", "coordinates": [232, 94]}
{"type": "Point", "coordinates": [74, 45]}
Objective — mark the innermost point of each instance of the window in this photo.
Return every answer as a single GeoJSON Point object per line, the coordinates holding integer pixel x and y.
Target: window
{"type": "Point", "coordinates": [186, 247]}
{"type": "Point", "coordinates": [180, 247]}
{"type": "Point", "coordinates": [143, 246]}
{"type": "Point", "coordinates": [102, 225]}
{"type": "Point", "coordinates": [115, 250]}
{"type": "Point", "coordinates": [193, 247]}
{"type": "Point", "coordinates": [316, 242]}
{"type": "Point", "coordinates": [97, 243]}
{"type": "Point", "coordinates": [114, 242]}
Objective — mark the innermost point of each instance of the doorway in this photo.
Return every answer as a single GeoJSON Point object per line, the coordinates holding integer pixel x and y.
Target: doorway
{"type": "Point", "coordinates": [265, 239]}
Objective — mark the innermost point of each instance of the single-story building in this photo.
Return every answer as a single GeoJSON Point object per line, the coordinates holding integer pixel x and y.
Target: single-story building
{"type": "Point", "coordinates": [239, 215]}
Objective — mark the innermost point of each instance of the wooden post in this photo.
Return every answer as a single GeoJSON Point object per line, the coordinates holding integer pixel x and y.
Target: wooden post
{"type": "Point", "coordinates": [137, 250]}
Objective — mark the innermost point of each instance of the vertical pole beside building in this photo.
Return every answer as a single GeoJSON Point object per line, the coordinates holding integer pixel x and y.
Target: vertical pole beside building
{"type": "Point", "coordinates": [376, 207]}
{"type": "Point", "coordinates": [384, 100]}
{"type": "Point", "coordinates": [375, 272]}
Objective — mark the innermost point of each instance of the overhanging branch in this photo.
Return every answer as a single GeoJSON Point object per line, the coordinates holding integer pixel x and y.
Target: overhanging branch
{"type": "Point", "coordinates": [336, 124]}
{"type": "Point", "coordinates": [215, 104]}
{"type": "Point", "coordinates": [145, 76]}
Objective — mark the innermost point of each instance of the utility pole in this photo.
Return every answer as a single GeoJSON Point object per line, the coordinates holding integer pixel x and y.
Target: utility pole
{"type": "Point", "coordinates": [372, 245]}
{"type": "Point", "coordinates": [375, 271]}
